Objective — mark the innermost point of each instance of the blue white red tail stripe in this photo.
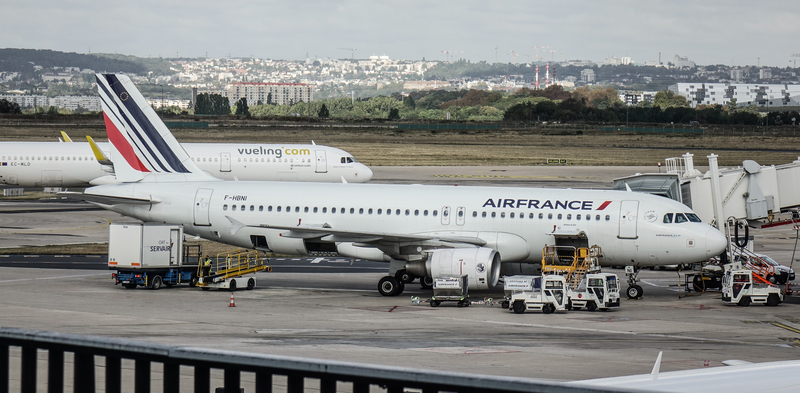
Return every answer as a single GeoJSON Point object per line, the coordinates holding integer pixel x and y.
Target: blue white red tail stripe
{"type": "Point", "coordinates": [137, 131]}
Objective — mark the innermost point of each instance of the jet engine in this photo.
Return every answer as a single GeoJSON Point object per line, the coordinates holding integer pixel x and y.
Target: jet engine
{"type": "Point", "coordinates": [480, 264]}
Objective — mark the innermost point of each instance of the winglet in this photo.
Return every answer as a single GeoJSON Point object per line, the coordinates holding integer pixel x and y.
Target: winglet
{"type": "Point", "coordinates": [101, 158]}
{"type": "Point", "coordinates": [65, 137]}
{"type": "Point", "coordinates": [236, 225]}
{"type": "Point", "coordinates": [627, 187]}
{"type": "Point", "coordinates": [343, 180]}
{"type": "Point", "coordinates": [657, 366]}
{"type": "Point", "coordinates": [312, 143]}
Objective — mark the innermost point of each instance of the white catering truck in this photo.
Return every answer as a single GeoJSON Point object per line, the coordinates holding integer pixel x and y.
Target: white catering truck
{"type": "Point", "coordinates": [545, 293]}
{"type": "Point", "coordinates": [150, 255]}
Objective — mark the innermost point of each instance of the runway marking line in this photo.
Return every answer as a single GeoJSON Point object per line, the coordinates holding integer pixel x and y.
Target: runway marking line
{"type": "Point", "coordinates": [782, 326]}
{"type": "Point", "coordinates": [53, 278]}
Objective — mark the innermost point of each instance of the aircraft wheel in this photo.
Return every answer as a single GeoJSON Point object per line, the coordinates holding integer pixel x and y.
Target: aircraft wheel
{"type": "Point", "coordinates": [773, 300]}
{"type": "Point", "coordinates": [591, 306]}
{"type": "Point", "coordinates": [389, 286]}
{"type": "Point", "coordinates": [634, 292]}
{"type": "Point", "coordinates": [251, 283]}
{"type": "Point", "coordinates": [232, 286]}
{"type": "Point", "coordinates": [426, 282]}
{"type": "Point", "coordinates": [518, 307]}
{"type": "Point", "coordinates": [744, 302]}
{"type": "Point", "coordinates": [404, 277]}
{"type": "Point", "coordinates": [156, 283]}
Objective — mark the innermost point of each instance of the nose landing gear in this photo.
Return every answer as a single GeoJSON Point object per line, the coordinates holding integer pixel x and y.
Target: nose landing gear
{"type": "Point", "coordinates": [634, 291]}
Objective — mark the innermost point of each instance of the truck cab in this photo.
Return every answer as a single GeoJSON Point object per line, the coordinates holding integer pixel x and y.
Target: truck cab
{"type": "Point", "coordinates": [545, 293]}
{"type": "Point", "coordinates": [738, 286]}
{"type": "Point", "coordinates": [595, 291]}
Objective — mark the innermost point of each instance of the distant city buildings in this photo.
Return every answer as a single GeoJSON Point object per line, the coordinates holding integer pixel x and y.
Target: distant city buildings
{"type": "Point", "coordinates": [90, 103]}
{"type": "Point", "coordinates": [587, 76]}
{"type": "Point", "coordinates": [633, 98]}
{"type": "Point", "coordinates": [761, 95]}
{"type": "Point", "coordinates": [682, 62]}
{"type": "Point", "coordinates": [270, 93]}
{"type": "Point", "coordinates": [425, 85]}
{"type": "Point", "coordinates": [765, 73]}
{"type": "Point", "coordinates": [737, 74]}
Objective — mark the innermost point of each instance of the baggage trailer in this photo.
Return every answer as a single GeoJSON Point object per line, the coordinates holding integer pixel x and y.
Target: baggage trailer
{"type": "Point", "coordinates": [545, 293]}
{"type": "Point", "coordinates": [595, 291]}
{"type": "Point", "coordinates": [149, 255]}
{"type": "Point", "coordinates": [450, 289]}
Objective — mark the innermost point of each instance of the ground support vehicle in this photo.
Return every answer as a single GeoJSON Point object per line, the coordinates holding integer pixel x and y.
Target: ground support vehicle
{"type": "Point", "coordinates": [450, 289]}
{"type": "Point", "coordinates": [231, 271]}
{"type": "Point", "coordinates": [545, 293]}
{"type": "Point", "coordinates": [739, 286]}
{"type": "Point", "coordinates": [595, 291]}
{"type": "Point", "coordinates": [709, 277]}
{"type": "Point", "coordinates": [150, 255]}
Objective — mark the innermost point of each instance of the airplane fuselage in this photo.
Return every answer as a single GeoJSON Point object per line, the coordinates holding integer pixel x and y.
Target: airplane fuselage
{"type": "Point", "coordinates": [57, 164]}
{"type": "Point", "coordinates": [517, 222]}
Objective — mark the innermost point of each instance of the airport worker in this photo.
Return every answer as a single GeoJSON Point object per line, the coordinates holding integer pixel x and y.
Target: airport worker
{"type": "Point", "coordinates": [207, 266]}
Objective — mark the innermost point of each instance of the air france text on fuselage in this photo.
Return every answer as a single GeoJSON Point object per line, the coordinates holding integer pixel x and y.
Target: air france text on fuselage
{"type": "Point", "coordinates": [277, 153]}
{"type": "Point", "coordinates": [539, 204]}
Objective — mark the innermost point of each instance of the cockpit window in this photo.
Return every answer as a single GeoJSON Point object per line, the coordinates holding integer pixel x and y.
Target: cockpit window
{"type": "Point", "coordinates": [668, 218]}
{"type": "Point", "coordinates": [693, 217]}
{"type": "Point", "coordinates": [347, 160]}
{"type": "Point", "coordinates": [679, 218]}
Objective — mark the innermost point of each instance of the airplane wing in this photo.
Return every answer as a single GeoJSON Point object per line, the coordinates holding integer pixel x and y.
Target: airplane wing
{"type": "Point", "coordinates": [327, 233]}
{"type": "Point", "coordinates": [108, 200]}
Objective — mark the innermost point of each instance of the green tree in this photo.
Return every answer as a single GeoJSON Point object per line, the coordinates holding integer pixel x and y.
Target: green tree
{"type": "Point", "coordinates": [394, 114]}
{"type": "Point", "coordinates": [241, 107]}
{"type": "Point", "coordinates": [668, 99]}
{"type": "Point", "coordinates": [408, 102]}
{"type": "Point", "coordinates": [9, 107]}
{"type": "Point", "coordinates": [323, 112]}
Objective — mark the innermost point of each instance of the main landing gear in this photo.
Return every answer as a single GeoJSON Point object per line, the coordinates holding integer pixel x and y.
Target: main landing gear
{"type": "Point", "coordinates": [634, 291]}
{"type": "Point", "coordinates": [395, 285]}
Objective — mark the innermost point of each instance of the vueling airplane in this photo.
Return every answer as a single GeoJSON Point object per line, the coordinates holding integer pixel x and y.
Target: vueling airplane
{"type": "Point", "coordinates": [421, 231]}
{"type": "Point", "coordinates": [76, 164]}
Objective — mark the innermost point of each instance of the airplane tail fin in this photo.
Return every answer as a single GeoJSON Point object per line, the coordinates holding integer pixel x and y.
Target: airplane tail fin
{"type": "Point", "coordinates": [143, 148]}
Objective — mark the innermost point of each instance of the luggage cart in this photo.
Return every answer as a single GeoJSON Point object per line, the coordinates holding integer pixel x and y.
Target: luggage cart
{"type": "Point", "coordinates": [450, 289]}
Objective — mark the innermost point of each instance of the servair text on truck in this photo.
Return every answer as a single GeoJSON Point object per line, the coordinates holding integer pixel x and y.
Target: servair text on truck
{"type": "Point", "coordinates": [149, 255]}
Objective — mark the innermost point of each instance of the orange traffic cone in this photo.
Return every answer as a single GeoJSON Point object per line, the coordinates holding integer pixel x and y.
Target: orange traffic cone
{"type": "Point", "coordinates": [233, 304]}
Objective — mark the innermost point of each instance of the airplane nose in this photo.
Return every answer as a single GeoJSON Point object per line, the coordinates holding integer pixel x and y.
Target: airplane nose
{"type": "Point", "coordinates": [366, 173]}
{"type": "Point", "coordinates": [716, 243]}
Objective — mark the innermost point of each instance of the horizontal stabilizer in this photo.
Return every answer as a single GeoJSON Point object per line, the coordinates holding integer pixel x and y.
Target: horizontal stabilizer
{"type": "Point", "coordinates": [108, 200]}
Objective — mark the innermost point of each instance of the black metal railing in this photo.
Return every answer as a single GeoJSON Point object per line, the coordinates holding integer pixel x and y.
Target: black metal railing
{"type": "Point", "coordinates": [297, 371]}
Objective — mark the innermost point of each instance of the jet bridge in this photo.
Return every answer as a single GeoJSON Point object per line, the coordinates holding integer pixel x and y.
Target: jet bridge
{"type": "Point", "coordinates": [750, 191]}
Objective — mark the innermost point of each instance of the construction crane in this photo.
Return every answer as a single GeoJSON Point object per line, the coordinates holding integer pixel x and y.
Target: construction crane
{"type": "Point", "coordinates": [448, 53]}
{"type": "Point", "coordinates": [352, 52]}
{"type": "Point", "coordinates": [514, 56]}
{"type": "Point", "coordinates": [495, 53]}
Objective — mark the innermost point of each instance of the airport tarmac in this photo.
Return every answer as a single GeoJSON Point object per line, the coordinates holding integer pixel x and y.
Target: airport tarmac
{"type": "Point", "coordinates": [340, 315]}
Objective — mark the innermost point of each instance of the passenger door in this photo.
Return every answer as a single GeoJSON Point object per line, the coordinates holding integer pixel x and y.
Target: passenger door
{"type": "Point", "coordinates": [628, 213]}
{"type": "Point", "coordinates": [202, 202]}
{"type": "Point", "coordinates": [322, 162]}
{"type": "Point", "coordinates": [224, 162]}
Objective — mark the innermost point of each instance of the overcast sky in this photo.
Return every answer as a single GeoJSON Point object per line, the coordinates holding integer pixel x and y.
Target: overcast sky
{"type": "Point", "coordinates": [730, 32]}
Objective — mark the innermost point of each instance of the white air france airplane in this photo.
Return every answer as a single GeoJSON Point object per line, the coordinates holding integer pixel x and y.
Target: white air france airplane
{"type": "Point", "coordinates": [421, 231]}
{"type": "Point", "coordinates": [76, 164]}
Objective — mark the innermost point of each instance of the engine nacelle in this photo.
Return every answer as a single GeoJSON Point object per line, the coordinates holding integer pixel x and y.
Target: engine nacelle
{"type": "Point", "coordinates": [480, 264]}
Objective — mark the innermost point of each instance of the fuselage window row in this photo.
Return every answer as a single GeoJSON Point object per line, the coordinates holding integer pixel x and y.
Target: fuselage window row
{"type": "Point", "coordinates": [667, 217]}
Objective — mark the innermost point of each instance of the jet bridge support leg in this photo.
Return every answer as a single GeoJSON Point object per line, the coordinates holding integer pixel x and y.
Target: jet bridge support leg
{"type": "Point", "coordinates": [635, 291]}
